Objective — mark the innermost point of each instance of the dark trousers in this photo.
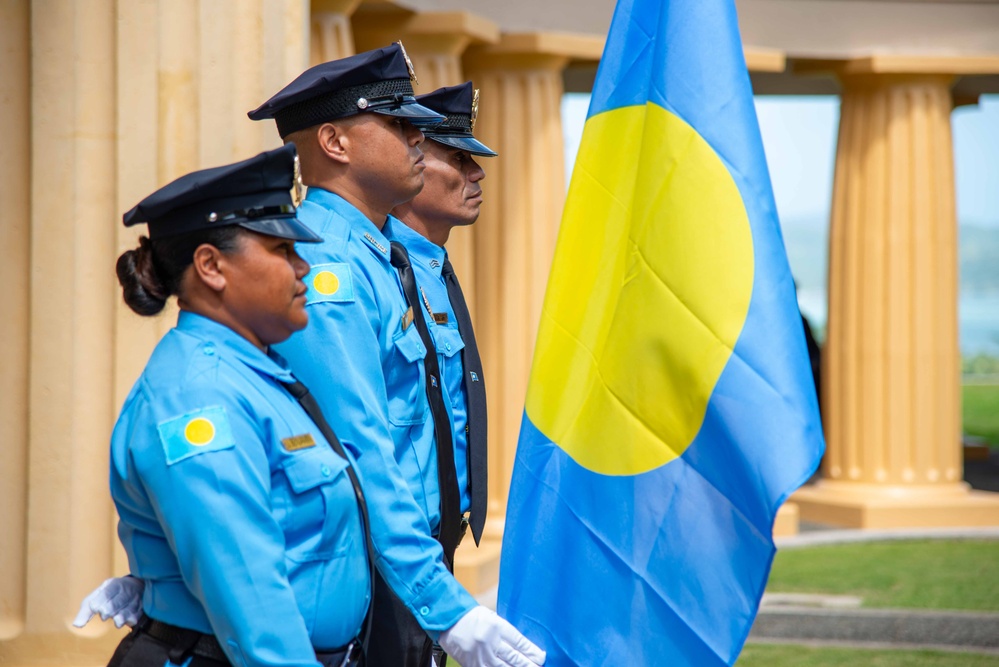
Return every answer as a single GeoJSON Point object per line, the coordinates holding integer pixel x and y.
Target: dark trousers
{"type": "Point", "coordinates": [397, 640]}
{"type": "Point", "coordinates": [138, 649]}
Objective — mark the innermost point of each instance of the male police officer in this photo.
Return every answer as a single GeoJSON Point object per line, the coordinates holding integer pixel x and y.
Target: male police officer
{"type": "Point", "coordinates": [451, 197]}
{"type": "Point", "coordinates": [364, 354]}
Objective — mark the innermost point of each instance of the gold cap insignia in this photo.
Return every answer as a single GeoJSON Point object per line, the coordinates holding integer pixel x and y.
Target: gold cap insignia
{"type": "Point", "coordinates": [297, 188]}
{"type": "Point", "coordinates": [409, 64]}
{"type": "Point", "coordinates": [475, 109]}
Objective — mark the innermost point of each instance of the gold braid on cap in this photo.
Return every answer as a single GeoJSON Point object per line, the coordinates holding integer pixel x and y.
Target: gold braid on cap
{"type": "Point", "coordinates": [409, 64]}
{"type": "Point", "coordinates": [475, 110]}
{"type": "Point", "coordinates": [297, 188]}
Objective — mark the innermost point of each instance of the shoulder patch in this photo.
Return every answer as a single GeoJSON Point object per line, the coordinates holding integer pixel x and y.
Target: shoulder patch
{"type": "Point", "coordinates": [198, 432]}
{"type": "Point", "coordinates": [329, 282]}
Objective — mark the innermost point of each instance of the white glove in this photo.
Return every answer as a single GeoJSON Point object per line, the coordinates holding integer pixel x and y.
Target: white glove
{"type": "Point", "coordinates": [118, 598]}
{"type": "Point", "coordinates": [480, 638]}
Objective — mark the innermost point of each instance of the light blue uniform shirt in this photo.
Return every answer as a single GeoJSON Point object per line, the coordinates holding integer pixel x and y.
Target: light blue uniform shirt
{"type": "Point", "coordinates": [234, 510]}
{"type": "Point", "coordinates": [427, 260]}
{"type": "Point", "coordinates": [365, 369]}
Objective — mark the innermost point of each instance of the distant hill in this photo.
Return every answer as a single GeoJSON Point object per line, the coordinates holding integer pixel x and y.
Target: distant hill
{"type": "Point", "coordinates": [978, 255]}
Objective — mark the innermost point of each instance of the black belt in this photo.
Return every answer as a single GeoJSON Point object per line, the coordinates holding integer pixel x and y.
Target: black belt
{"type": "Point", "coordinates": [191, 642]}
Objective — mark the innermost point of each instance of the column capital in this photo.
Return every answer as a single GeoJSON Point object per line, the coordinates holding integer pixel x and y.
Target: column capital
{"type": "Point", "coordinates": [448, 33]}
{"type": "Point", "coordinates": [345, 7]}
{"type": "Point", "coordinates": [539, 49]}
{"type": "Point", "coordinates": [900, 64]}
{"type": "Point", "coordinates": [764, 60]}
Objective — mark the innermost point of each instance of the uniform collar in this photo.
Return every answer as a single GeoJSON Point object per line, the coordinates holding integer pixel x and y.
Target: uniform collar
{"type": "Point", "coordinates": [359, 224]}
{"type": "Point", "coordinates": [213, 333]}
{"type": "Point", "coordinates": [421, 249]}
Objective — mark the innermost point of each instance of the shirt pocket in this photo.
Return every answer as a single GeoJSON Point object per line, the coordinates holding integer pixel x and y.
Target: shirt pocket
{"type": "Point", "coordinates": [313, 505]}
{"type": "Point", "coordinates": [405, 380]}
{"type": "Point", "coordinates": [449, 345]}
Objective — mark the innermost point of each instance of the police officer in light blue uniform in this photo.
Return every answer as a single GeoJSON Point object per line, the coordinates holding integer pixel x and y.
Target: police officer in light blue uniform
{"type": "Point", "coordinates": [451, 197]}
{"type": "Point", "coordinates": [355, 122]}
{"type": "Point", "coordinates": [244, 522]}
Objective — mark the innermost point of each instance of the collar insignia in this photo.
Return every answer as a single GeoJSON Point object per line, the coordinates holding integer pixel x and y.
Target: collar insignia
{"type": "Point", "coordinates": [371, 239]}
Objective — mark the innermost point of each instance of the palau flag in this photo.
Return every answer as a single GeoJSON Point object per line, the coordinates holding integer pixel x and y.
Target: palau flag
{"type": "Point", "coordinates": [670, 409]}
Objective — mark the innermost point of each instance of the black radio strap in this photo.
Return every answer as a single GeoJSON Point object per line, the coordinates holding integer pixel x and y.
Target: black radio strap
{"type": "Point", "coordinates": [311, 407]}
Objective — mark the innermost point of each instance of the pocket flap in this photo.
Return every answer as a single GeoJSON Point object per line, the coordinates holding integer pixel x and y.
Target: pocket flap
{"type": "Point", "coordinates": [448, 341]}
{"type": "Point", "coordinates": [308, 472]}
{"type": "Point", "coordinates": [410, 345]}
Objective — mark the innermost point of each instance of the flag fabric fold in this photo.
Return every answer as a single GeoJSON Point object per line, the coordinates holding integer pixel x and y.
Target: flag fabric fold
{"type": "Point", "coordinates": [670, 409]}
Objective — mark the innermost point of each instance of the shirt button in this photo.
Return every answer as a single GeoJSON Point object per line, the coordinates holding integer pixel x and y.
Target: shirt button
{"type": "Point", "coordinates": [208, 349]}
{"type": "Point", "coordinates": [325, 470]}
{"type": "Point", "coordinates": [424, 611]}
{"type": "Point", "coordinates": [447, 346]}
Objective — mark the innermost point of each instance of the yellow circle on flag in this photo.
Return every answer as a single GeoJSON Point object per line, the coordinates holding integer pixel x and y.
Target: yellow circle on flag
{"type": "Point", "coordinates": [199, 431]}
{"type": "Point", "coordinates": [326, 283]}
{"type": "Point", "coordinates": [649, 304]}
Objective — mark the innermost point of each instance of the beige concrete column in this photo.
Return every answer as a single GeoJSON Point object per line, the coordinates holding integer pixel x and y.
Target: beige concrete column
{"type": "Point", "coordinates": [15, 237]}
{"type": "Point", "coordinates": [521, 82]}
{"type": "Point", "coordinates": [69, 528]}
{"type": "Point", "coordinates": [435, 42]}
{"type": "Point", "coordinates": [118, 98]}
{"type": "Point", "coordinates": [184, 88]}
{"type": "Point", "coordinates": [330, 30]}
{"type": "Point", "coordinates": [892, 363]}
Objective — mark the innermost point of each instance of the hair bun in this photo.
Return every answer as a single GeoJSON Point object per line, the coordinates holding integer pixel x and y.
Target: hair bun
{"type": "Point", "coordinates": [142, 287]}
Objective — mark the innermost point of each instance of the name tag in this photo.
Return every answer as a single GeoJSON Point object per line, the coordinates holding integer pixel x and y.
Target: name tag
{"type": "Point", "coordinates": [440, 318]}
{"type": "Point", "coordinates": [407, 318]}
{"type": "Point", "coordinates": [297, 442]}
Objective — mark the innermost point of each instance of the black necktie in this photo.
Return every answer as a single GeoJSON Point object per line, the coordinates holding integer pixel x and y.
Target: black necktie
{"type": "Point", "coordinates": [311, 407]}
{"type": "Point", "coordinates": [447, 477]}
{"type": "Point", "coordinates": [475, 399]}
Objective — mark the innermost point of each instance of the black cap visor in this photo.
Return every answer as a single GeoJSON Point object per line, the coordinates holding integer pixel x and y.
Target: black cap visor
{"type": "Point", "coordinates": [414, 112]}
{"type": "Point", "coordinates": [283, 228]}
{"type": "Point", "coordinates": [465, 143]}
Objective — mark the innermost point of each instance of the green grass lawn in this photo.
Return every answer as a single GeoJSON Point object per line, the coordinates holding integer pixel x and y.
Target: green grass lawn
{"type": "Point", "coordinates": [980, 408]}
{"type": "Point", "coordinates": [770, 655]}
{"type": "Point", "coordinates": [920, 574]}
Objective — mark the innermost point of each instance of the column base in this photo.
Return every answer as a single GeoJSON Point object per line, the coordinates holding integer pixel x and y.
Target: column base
{"type": "Point", "coordinates": [786, 522]}
{"type": "Point", "coordinates": [73, 647]}
{"type": "Point", "coordinates": [852, 505]}
{"type": "Point", "coordinates": [477, 568]}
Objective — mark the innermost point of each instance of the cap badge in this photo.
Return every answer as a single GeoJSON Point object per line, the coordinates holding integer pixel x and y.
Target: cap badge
{"type": "Point", "coordinates": [475, 109]}
{"type": "Point", "coordinates": [297, 188]}
{"type": "Point", "coordinates": [409, 64]}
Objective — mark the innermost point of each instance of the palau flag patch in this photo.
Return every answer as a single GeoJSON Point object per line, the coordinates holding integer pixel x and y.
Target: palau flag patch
{"type": "Point", "coordinates": [329, 282]}
{"type": "Point", "coordinates": [198, 432]}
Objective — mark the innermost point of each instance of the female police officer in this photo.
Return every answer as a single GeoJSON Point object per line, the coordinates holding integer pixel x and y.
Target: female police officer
{"type": "Point", "coordinates": [246, 525]}
{"type": "Point", "coordinates": [239, 509]}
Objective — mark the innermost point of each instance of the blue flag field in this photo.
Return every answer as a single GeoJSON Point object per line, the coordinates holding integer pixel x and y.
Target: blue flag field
{"type": "Point", "coordinates": [670, 409]}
